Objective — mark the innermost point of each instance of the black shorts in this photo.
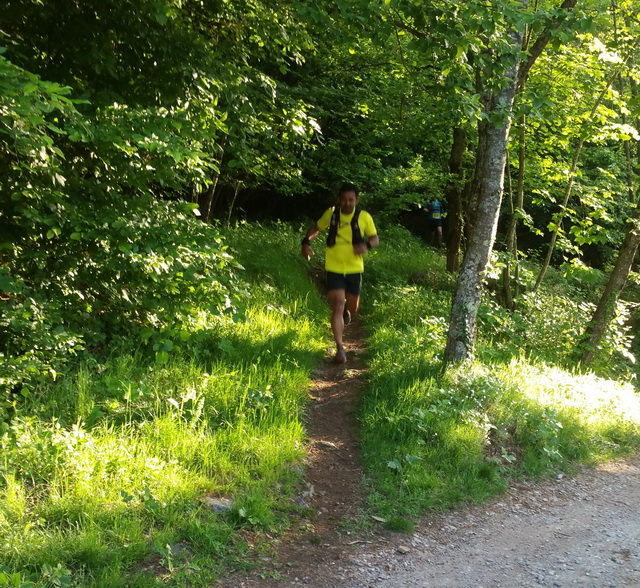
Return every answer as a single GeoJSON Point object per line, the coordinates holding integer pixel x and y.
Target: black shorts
{"type": "Point", "coordinates": [349, 282]}
{"type": "Point", "coordinates": [434, 223]}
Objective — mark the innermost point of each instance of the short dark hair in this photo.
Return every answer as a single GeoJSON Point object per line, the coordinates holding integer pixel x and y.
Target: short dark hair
{"type": "Point", "coordinates": [349, 187]}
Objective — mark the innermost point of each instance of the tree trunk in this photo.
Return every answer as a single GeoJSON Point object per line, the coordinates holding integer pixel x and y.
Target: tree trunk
{"type": "Point", "coordinates": [233, 200]}
{"type": "Point", "coordinates": [207, 199]}
{"type": "Point", "coordinates": [454, 200]}
{"type": "Point", "coordinates": [512, 232]}
{"type": "Point", "coordinates": [488, 180]}
{"type": "Point", "coordinates": [510, 242]}
{"type": "Point", "coordinates": [522, 163]}
{"type": "Point", "coordinates": [606, 307]}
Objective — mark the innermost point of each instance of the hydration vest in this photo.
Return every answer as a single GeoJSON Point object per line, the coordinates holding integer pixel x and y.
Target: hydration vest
{"type": "Point", "coordinates": [356, 235]}
{"type": "Point", "coordinates": [436, 209]}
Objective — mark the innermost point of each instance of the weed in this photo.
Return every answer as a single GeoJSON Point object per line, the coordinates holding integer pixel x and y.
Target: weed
{"type": "Point", "coordinates": [432, 438]}
{"type": "Point", "coordinates": [399, 524]}
{"type": "Point", "coordinates": [108, 467]}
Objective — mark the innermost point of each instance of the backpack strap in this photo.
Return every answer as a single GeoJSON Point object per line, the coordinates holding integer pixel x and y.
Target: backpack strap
{"type": "Point", "coordinates": [356, 234]}
{"type": "Point", "coordinates": [333, 227]}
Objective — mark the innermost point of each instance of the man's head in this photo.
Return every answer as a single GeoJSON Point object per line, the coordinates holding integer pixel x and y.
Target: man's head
{"type": "Point", "coordinates": [348, 198]}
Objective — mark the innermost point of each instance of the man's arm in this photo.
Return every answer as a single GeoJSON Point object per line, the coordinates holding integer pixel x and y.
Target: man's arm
{"type": "Point", "coordinates": [369, 243]}
{"type": "Point", "coordinates": [312, 233]}
{"type": "Point", "coordinates": [371, 240]}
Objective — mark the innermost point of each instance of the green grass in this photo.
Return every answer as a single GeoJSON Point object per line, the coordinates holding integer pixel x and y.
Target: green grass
{"type": "Point", "coordinates": [107, 470]}
{"type": "Point", "coordinates": [104, 476]}
{"type": "Point", "coordinates": [433, 438]}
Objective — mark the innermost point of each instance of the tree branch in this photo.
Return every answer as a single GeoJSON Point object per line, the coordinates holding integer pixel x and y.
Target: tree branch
{"type": "Point", "coordinates": [541, 42]}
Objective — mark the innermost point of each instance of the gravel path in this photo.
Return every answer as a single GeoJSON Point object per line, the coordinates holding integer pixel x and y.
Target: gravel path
{"type": "Point", "coordinates": [582, 531]}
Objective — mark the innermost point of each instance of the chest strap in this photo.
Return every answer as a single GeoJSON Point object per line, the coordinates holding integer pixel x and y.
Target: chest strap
{"type": "Point", "coordinates": [356, 235]}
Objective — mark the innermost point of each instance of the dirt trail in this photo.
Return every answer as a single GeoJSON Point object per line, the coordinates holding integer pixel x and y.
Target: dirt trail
{"type": "Point", "coordinates": [334, 493]}
{"type": "Point", "coordinates": [579, 531]}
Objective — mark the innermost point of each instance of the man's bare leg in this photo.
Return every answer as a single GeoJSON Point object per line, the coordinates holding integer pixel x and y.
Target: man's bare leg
{"type": "Point", "coordinates": [439, 237]}
{"type": "Point", "coordinates": [351, 305]}
{"type": "Point", "coordinates": [337, 304]}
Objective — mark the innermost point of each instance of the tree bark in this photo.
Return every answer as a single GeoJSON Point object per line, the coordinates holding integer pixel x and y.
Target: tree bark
{"type": "Point", "coordinates": [207, 199]}
{"type": "Point", "coordinates": [606, 307]}
{"type": "Point", "coordinates": [488, 180]}
{"type": "Point", "coordinates": [512, 231]}
{"type": "Point", "coordinates": [454, 200]}
{"type": "Point", "coordinates": [512, 248]}
{"type": "Point", "coordinates": [233, 200]}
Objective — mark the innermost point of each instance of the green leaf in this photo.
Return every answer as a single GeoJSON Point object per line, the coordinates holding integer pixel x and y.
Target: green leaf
{"type": "Point", "coordinates": [394, 464]}
{"type": "Point", "coordinates": [412, 459]}
{"type": "Point", "coordinates": [146, 333]}
{"type": "Point", "coordinates": [7, 283]}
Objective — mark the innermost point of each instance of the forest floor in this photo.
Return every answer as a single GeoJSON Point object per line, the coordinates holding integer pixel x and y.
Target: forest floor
{"type": "Point", "coordinates": [581, 530]}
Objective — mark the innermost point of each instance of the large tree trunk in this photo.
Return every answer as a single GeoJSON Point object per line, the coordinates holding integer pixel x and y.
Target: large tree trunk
{"type": "Point", "coordinates": [488, 180]}
{"type": "Point", "coordinates": [606, 307]}
{"type": "Point", "coordinates": [454, 200]}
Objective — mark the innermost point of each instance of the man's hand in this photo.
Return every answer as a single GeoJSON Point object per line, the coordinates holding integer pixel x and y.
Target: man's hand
{"type": "Point", "coordinates": [360, 248]}
{"type": "Point", "coordinates": [306, 251]}
{"type": "Point", "coordinates": [370, 243]}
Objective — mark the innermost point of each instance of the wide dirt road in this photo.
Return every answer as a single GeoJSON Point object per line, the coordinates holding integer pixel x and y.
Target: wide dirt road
{"type": "Point", "coordinates": [583, 531]}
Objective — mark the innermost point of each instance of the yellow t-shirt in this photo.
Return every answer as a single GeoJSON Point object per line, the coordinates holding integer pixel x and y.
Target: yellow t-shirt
{"type": "Point", "coordinates": [340, 258]}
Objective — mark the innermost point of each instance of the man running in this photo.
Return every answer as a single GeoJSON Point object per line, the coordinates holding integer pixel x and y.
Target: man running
{"type": "Point", "coordinates": [435, 214]}
{"type": "Point", "coordinates": [351, 234]}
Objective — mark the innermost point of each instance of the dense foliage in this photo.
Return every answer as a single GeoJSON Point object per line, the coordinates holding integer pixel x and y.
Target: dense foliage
{"type": "Point", "coordinates": [89, 252]}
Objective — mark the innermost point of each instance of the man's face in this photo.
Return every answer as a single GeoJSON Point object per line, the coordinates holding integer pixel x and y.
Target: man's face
{"type": "Point", "coordinates": [348, 201]}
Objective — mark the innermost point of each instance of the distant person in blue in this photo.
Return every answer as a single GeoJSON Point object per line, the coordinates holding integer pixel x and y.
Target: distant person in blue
{"type": "Point", "coordinates": [435, 211]}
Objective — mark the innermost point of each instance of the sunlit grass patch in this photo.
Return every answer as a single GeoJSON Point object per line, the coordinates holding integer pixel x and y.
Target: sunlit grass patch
{"type": "Point", "coordinates": [80, 482]}
{"type": "Point", "coordinates": [433, 437]}
{"type": "Point", "coordinates": [111, 467]}
{"type": "Point", "coordinates": [460, 437]}
{"type": "Point", "coordinates": [575, 416]}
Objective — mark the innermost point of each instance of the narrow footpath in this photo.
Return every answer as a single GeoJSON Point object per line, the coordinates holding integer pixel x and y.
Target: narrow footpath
{"type": "Point", "coordinates": [311, 553]}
